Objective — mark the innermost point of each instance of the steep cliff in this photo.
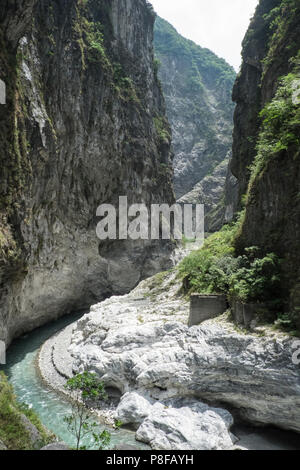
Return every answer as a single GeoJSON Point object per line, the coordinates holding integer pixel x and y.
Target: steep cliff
{"type": "Point", "coordinates": [84, 124]}
{"type": "Point", "coordinates": [266, 157]}
{"type": "Point", "coordinates": [197, 86]}
{"type": "Point", "coordinates": [218, 191]}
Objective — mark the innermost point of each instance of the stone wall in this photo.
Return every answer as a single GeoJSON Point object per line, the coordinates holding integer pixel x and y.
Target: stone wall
{"type": "Point", "coordinates": [205, 307]}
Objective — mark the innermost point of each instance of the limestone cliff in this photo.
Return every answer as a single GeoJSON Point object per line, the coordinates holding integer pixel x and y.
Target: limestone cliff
{"type": "Point", "coordinates": [197, 85]}
{"type": "Point", "coordinates": [218, 192]}
{"type": "Point", "coordinates": [267, 136]}
{"type": "Point", "coordinates": [84, 124]}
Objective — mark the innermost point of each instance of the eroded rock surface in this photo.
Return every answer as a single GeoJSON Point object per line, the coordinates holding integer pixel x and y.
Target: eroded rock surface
{"type": "Point", "coordinates": [135, 347]}
{"type": "Point", "coordinates": [179, 424]}
{"type": "Point", "coordinates": [56, 446]}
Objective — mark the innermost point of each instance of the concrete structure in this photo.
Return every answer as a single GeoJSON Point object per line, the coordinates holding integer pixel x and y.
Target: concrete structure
{"type": "Point", "coordinates": [205, 307]}
{"type": "Point", "coordinates": [244, 314]}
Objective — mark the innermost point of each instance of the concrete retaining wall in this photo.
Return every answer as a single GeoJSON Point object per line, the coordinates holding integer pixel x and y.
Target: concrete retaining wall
{"type": "Point", "coordinates": [205, 307]}
{"type": "Point", "coordinates": [244, 314]}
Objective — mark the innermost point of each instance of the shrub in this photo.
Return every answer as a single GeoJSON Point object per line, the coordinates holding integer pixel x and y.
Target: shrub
{"type": "Point", "coordinates": [215, 270]}
{"type": "Point", "coordinates": [256, 279]}
{"type": "Point", "coordinates": [124, 85]}
{"type": "Point", "coordinates": [162, 129]}
{"type": "Point", "coordinates": [207, 270]}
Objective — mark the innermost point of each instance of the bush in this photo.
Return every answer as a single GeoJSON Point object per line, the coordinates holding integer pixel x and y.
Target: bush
{"type": "Point", "coordinates": [207, 270]}
{"type": "Point", "coordinates": [215, 270]}
{"type": "Point", "coordinates": [256, 279]}
{"type": "Point", "coordinates": [162, 129]}
{"type": "Point", "coordinates": [124, 85]}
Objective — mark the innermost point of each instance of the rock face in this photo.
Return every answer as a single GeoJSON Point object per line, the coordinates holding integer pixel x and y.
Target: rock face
{"type": "Point", "coordinates": [56, 446]}
{"type": "Point", "coordinates": [210, 189]}
{"type": "Point", "coordinates": [197, 86]}
{"type": "Point", "coordinates": [84, 124]}
{"type": "Point", "coordinates": [153, 356]}
{"type": "Point", "coordinates": [270, 52]}
{"type": "Point", "coordinates": [218, 192]}
{"type": "Point", "coordinates": [2, 446]}
{"type": "Point", "coordinates": [32, 431]}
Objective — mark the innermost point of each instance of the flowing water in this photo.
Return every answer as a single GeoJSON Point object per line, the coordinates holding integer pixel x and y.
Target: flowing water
{"type": "Point", "coordinates": [51, 408]}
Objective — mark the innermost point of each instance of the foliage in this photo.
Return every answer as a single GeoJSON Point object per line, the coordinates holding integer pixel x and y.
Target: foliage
{"type": "Point", "coordinates": [280, 126]}
{"type": "Point", "coordinates": [118, 424]}
{"type": "Point", "coordinates": [88, 385]}
{"type": "Point", "coordinates": [203, 62]}
{"type": "Point", "coordinates": [90, 37]}
{"type": "Point", "coordinates": [215, 269]}
{"type": "Point", "coordinates": [168, 41]}
{"type": "Point", "coordinates": [95, 41]}
{"type": "Point", "coordinates": [124, 85]}
{"type": "Point", "coordinates": [85, 389]}
{"type": "Point", "coordinates": [207, 270]}
{"type": "Point", "coordinates": [25, 409]}
{"type": "Point", "coordinates": [288, 322]}
{"type": "Point", "coordinates": [162, 128]}
{"type": "Point", "coordinates": [279, 20]}
{"type": "Point", "coordinates": [256, 279]}
{"type": "Point", "coordinates": [156, 66]}
{"type": "Point", "coordinates": [12, 430]}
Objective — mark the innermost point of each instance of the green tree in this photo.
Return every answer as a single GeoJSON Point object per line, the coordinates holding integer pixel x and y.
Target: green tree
{"type": "Point", "coordinates": [85, 390]}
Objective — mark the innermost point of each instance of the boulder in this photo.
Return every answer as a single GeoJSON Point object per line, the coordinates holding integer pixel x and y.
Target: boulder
{"type": "Point", "coordinates": [56, 446]}
{"type": "Point", "coordinates": [133, 408]}
{"type": "Point", "coordinates": [2, 446]}
{"type": "Point", "coordinates": [180, 424]}
{"type": "Point", "coordinates": [35, 435]}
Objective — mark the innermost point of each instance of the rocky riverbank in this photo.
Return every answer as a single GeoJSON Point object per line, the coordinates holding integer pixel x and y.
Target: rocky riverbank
{"type": "Point", "coordinates": [174, 381]}
{"type": "Point", "coordinates": [54, 365]}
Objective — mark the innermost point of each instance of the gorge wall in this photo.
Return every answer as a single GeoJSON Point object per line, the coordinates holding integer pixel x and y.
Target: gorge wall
{"type": "Point", "coordinates": [84, 124]}
{"type": "Point", "coordinates": [266, 157]}
{"type": "Point", "coordinates": [197, 86]}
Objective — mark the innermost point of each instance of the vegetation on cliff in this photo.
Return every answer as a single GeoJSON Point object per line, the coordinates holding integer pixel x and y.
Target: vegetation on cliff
{"type": "Point", "coordinates": [266, 145]}
{"type": "Point", "coordinates": [205, 66]}
{"type": "Point", "coordinates": [15, 432]}
{"type": "Point", "coordinates": [280, 129]}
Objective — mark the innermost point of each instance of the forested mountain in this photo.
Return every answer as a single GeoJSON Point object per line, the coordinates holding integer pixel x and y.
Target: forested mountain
{"type": "Point", "coordinates": [197, 86]}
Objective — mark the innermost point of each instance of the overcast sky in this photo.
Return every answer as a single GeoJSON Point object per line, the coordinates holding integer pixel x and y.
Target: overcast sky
{"type": "Point", "coordinates": [219, 25]}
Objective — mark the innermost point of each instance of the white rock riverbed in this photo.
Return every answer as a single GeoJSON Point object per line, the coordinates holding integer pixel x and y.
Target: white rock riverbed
{"type": "Point", "coordinates": [140, 345]}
